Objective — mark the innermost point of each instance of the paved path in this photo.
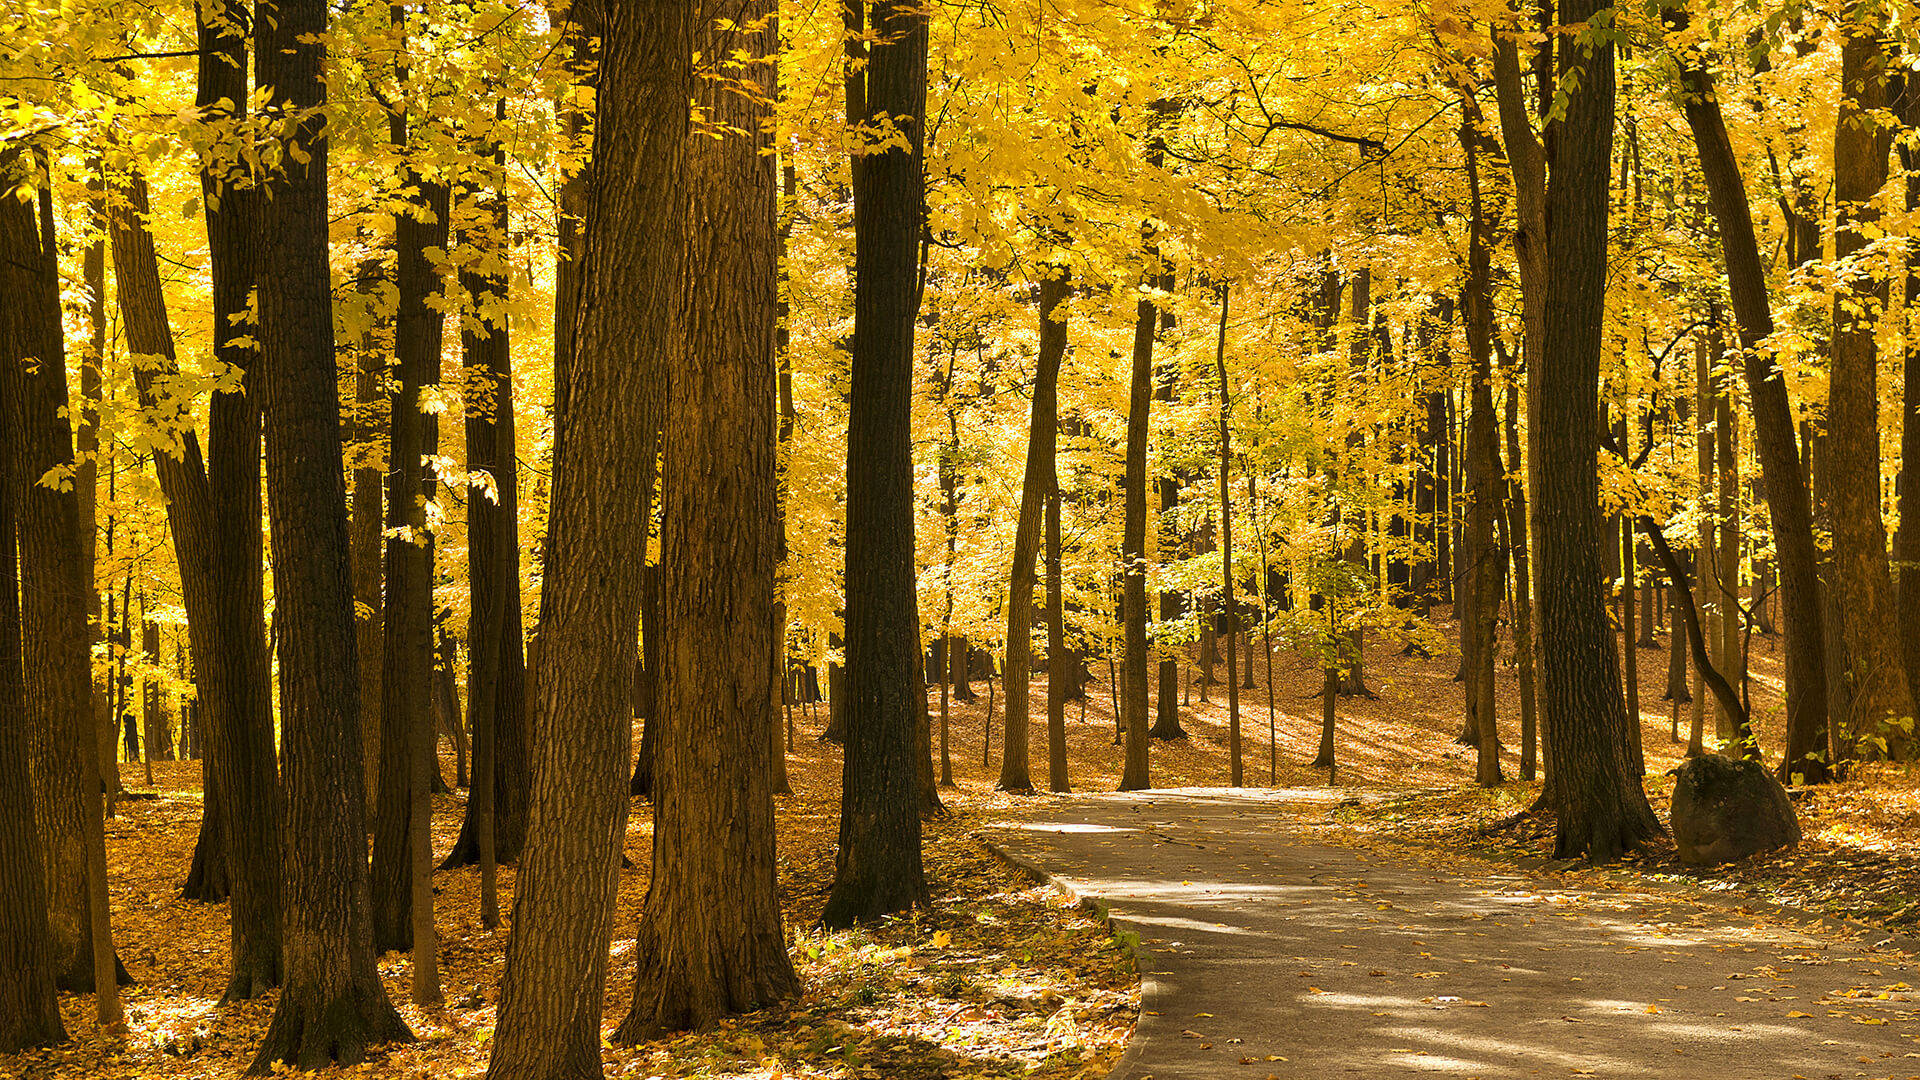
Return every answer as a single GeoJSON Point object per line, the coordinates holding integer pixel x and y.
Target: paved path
{"type": "Point", "coordinates": [1266, 954]}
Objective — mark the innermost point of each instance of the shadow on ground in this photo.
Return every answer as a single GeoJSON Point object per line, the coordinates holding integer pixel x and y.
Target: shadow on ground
{"type": "Point", "coordinates": [1265, 954]}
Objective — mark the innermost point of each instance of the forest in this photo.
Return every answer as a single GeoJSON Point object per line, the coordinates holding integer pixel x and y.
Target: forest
{"type": "Point", "coordinates": [558, 538]}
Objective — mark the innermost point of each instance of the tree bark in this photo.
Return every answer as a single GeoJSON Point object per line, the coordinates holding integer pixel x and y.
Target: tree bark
{"type": "Point", "coordinates": [1038, 484]}
{"type": "Point", "coordinates": [878, 871]}
{"type": "Point", "coordinates": [711, 940]}
{"type": "Point", "coordinates": [333, 1007]}
{"type": "Point", "coordinates": [29, 1006]}
{"type": "Point", "coordinates": [1483, 483]}
{"type": "Point", "coordinates": [1133, 542]}
{"type": "Point", "coordinates": [406, 679]}
{"type": "Point", "coordinates": [627, 334]}
{"type": "Point", "coordinates": [63, 745]}
{"type": "Point", "coordinates": [1875, 672]}
{"type": "Point", "coordinates": [1601, 807]}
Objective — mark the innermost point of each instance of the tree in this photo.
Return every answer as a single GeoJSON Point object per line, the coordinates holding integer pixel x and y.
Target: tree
{"type": "Point", "coordinates": [1133, 543]}
{"type": "Point", "coordinates": [495, 679]}
{"type": "Point", "coordinates": [63, 753]}
{"type": "Point", "coordinates": [626, 334]}
{"type": "Point", "coordinates": [29, 1007]}
{"type": "Point", "coordinates": [1602, 808]}
{"type": "Point", "coordinates": [333, 1006]}
{"type": "Point", "coordinates": [878, 870]}
{"type": "Point", "coordinates": [406, 678]}
{"type": "Point", "coordinates": [1042, 433]}
{"type": "Point", "coordinates": [1781, 471]}
{"type": "Point", "coordinates": [711, 940]}
{"type": "Point", "coordinates": [213, 511]}
{"type": "Point", "coordinates": [1228, 601]}
{"type": "Point", "coordinates": [1873, 679]}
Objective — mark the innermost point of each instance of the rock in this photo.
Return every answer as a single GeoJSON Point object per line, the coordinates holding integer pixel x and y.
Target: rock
{"type": "Point", "coordinates": [1726, 809]}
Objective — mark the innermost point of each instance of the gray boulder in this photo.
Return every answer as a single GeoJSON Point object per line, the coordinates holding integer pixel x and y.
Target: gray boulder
{"type": "Point", "coordinates": [1726, 809]}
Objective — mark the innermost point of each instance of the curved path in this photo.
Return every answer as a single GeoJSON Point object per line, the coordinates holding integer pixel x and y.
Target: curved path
{"type": "Point", "coordinates": [1267, 954]}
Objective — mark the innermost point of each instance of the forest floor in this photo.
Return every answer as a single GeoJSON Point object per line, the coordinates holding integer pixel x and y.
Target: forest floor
{"type": "Point", "coordinates": [1001, 977]}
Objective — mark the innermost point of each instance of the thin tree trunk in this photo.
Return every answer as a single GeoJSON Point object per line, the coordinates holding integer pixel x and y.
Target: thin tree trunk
{"type": "Point", "coordinates": [1063, 665]}
{"type": "Point", "coordinates": [1229, 602]}
{"type": "Point", "coordinates": [1042, 434]}
{"type": "Point", "coordinates": [1133, 543]}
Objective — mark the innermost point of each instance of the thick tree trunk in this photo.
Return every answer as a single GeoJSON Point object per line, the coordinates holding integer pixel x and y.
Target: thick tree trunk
{"type": "Point", "coordinates": [333, 1007]}
{"type": "Point", "coordinates": [711, 941]}
{"type": "Point", "coordinates": [879, 870]}
{"type": "Point", "coordinates": [1875, 670]}
{"type": "Point", "coordinates": [1601, 806]}
{"type": "Point", "coordinates": [627, 333]}
{"type": "Point", "coordinates": [1038, 484]}
{"type": "Point", "coordinates": [29, 1007]}
{"type": "Point", "coordinates": [63, 745]}
{"type": "Point", "coordinates": [242, 748]}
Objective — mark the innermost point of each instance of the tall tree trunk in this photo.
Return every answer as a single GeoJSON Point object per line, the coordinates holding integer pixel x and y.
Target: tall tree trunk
{"type": "Point", "coordinates": [1906, 542]}
{"type": "Point", "coordinates": [1042, 432]}
{"type": "Point", "coordinates": [878, 871]}
{"type": "Point", "coordinates": [1133, 543]}
{"type": "Point", "coordinates": [1782, 472]}
{"type": "Point", "coordinates": [1229, 602]}
{"type": "Point", "coordinates": [493, 543]}
{"type": "Point", "coordinates": [406, 680]}
{"type": "Point", "coordinates": [63, 745]}
{"type": "Point", "coordinates": [1526, 158]}
{"type": "Point", "coordinates": [242, 749]}
{"type": "Point", "coordinates": [1483, 481]}
{"type": "Point", "coordinates": [1601, 806]}
{"type": "Point", "coordinates": [367, 490]}
{"type": "Point", "coordinates": [1063, 665]}
{"type": "Point", "coordinates": [711, 941]}
{"type": "Point", "coordinates": [1875, 673]}
{"type": "Point", "coordinates": [29, 1006]}
{"type": "Point", "coordinates": [630, 298]}
{"type": "Point", "coordinates": [86, 471]}
{"type": "Point", "coordinates": [1726, 589]}
{"type": "Point", "coordinates": [333, 1006]}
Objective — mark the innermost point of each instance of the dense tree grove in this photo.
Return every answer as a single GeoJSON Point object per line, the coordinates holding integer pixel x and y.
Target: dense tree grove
{"type": "Point", "coordinates": [883, 349]}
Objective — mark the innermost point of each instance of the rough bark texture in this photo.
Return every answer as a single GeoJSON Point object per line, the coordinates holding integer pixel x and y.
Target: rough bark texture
{"type": "Point", "coordinates": [625, 335]}
{"type": "Point", "coordinates": [879, 870]}
{"type": "Point", "coordinates": [62, 745]}
{"type": "Point", "coordinates": [29, 1008]}
{"type": "Point", "coordinates": [1601, 807]}
{"type": "Point", "coordinates": [1038, 483]}
{"type": "Point", "coordinates": [711, 940]}
{"type": "Point", "coordinates": [333, 1007]}
{"type": "Point", "coordinates": [1875, 674]}
{"type": "Point", "coordinates": [406, 679]}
